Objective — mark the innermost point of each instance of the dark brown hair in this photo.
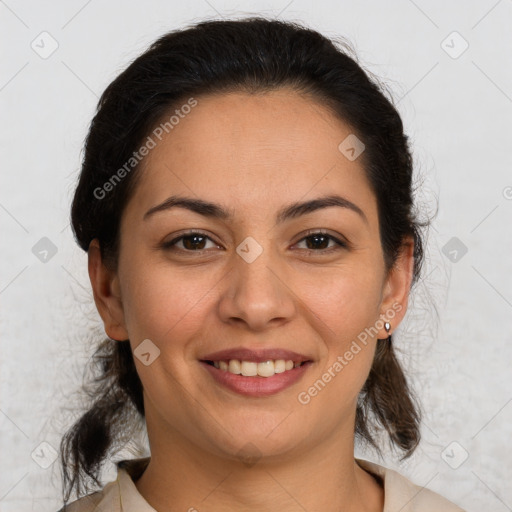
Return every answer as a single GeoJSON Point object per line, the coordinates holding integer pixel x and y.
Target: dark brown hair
{"type": "Point", "coordinates": [252, 55]}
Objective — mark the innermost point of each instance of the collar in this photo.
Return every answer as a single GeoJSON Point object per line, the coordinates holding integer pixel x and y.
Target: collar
{"type": "Point", "coordinates": [399, 493]}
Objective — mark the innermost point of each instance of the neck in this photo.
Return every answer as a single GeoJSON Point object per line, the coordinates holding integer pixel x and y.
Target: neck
{"type": "Point", "coordinates": [180, 476]}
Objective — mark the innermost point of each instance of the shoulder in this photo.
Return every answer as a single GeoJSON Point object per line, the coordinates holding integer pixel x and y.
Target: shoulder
{"type": "Point", "coordinates": [122, 488]}
{"type": "Point", "coordinates": [99, 500]}
{"type": "Point", "coordinates": [401, 494]}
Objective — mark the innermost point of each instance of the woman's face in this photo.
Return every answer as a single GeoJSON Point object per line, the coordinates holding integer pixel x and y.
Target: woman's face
{"type": "Point", "coordinates": [254, 279]}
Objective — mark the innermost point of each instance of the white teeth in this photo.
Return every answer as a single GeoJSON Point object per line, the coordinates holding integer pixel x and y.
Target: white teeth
{"type": "Point", "coordinates": [252, 369]}
{"type": "Point", "coordinates": [279, 366]}
{"type": "Point", "coordinates": [266, 369]}
{"type": "Point", "coordinates": [249, 369]}
{"type": "Point", "coordinates": [235, 367]}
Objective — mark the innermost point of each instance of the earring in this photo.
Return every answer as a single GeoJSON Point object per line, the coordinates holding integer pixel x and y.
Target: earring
{"type": "Point", "coordinates": [387, 326]}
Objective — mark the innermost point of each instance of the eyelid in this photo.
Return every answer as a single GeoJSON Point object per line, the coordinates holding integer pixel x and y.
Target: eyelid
{"type": "Point", "coordinates": [171, 243]}
{"type": "Point", "coordinates": [322, 231]}
{"type": "Point", "coordinates": [340, 241]}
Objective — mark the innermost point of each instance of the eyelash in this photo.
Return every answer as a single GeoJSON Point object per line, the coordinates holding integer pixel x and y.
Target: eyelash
{"type": "Point", "coordinates": [339, 244]}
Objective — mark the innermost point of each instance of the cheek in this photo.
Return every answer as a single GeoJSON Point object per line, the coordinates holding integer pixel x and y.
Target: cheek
{"type": "Point", "coordinates": [346, 308]}
{"type": "Point", "coordinates": [346, 299]}
{"type": "Point", "coordinates": [160, 302]}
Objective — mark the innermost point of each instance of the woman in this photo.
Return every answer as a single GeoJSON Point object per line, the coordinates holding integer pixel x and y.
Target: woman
{"type": "Point", "coordinates": [246, 204]}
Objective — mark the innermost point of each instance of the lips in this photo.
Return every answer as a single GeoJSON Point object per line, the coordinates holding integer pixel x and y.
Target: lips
{"type": "Point", "coordinates": [219, 366]}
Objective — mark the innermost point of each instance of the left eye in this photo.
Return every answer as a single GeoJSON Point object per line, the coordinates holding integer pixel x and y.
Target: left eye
{"type": "Point", "coordinates": [318, 241]}
{"type": "Point", "coordinates": [195, 242]}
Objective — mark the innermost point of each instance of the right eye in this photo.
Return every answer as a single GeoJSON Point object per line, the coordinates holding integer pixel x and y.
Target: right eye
{"type": "Point", "coordinates": [193, 241]}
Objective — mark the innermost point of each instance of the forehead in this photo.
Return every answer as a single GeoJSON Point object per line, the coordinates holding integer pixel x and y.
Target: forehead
{"type": "Point", "coordinates": [254, 150]}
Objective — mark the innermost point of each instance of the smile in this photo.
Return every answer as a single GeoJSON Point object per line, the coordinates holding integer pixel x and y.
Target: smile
{"type": "Point", "coordinates": [253, 369]}
{"type": "Point", "coordinates": [244, 378]}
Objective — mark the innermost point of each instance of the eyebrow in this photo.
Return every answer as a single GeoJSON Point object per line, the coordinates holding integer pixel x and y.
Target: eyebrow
{"type": "Point", "coordinates": [216, 211]}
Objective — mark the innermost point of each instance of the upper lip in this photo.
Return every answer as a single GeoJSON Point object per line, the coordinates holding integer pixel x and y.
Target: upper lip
{"type": "Point", "coordinates": [255, 355]}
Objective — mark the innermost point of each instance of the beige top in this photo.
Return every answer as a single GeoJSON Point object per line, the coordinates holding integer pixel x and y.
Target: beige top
{"type": "Point", "coordinates": [121, 495]}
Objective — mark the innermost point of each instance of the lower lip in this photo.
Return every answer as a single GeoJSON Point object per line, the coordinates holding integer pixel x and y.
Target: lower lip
{"type": "Point", "coordinates": [257, 386]}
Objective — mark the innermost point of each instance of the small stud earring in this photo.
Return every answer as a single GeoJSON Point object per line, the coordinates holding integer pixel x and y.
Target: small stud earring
{"type": "Point", "coordinates": [387, 326]}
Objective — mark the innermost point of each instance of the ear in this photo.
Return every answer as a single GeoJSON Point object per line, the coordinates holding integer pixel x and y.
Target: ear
{"type": "Point", "coordinates": [397, 287]}
{"type": "Point", "coordinates": [107, 296]}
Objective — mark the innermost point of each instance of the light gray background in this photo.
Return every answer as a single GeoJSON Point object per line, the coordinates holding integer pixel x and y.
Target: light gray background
{"type": "Point", "coordinates": [458, 113]}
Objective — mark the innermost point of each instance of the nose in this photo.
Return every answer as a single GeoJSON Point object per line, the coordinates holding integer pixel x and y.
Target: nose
{"type": "Point", "coordinates": [257, 293]}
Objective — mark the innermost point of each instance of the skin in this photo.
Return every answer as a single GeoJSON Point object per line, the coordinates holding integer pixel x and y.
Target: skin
{"type": "Point", "coordinates": [232, 149]}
